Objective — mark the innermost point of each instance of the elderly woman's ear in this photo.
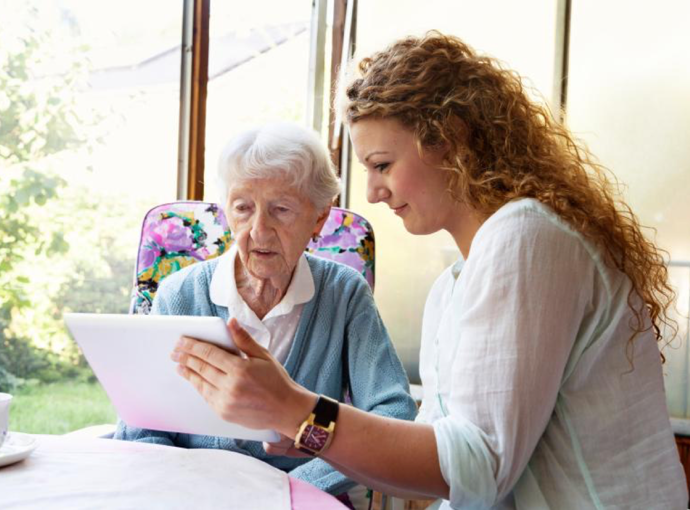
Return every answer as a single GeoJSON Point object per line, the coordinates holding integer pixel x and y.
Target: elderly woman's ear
{"type": "Point", "coordinates": [321, 221]}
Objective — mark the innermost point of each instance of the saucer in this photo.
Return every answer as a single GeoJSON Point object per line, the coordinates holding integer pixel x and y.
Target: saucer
{"type": "Point", "coordinates": [16, 447]}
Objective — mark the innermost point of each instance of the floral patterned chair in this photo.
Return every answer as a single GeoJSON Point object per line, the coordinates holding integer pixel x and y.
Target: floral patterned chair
{"type": "Point", "coordinates": [178, 234]}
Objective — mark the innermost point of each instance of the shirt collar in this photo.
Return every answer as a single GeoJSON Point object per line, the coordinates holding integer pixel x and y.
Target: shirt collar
{"type": "Point", "coordinates": [223, 289]}
{"type": "Point", "coordinates": [456, 268]}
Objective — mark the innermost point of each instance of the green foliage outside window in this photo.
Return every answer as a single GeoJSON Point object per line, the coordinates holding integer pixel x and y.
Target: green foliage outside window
{"type": "Point", "coordinates": [59, 246]}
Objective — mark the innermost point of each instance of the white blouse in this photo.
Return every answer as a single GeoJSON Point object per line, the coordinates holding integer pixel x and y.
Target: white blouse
{"type": "Point", "coordinates": [525, 365]}
{"type": "Point", "coordinates": [276, 331]}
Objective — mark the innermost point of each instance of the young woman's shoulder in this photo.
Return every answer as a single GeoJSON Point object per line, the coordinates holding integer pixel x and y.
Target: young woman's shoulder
{"type": "Point", "coordinates": [532, 225]}
{"type": "Point", "coordinates": [529, 215]}
{"type": "Point", "coordinates": [530, 237]}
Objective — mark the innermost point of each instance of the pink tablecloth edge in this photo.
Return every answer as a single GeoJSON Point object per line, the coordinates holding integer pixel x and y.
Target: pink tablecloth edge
{"type": "Point", "coordinates": [305, 496]}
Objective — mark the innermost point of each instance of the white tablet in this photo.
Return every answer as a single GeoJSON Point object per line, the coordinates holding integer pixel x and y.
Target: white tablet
{"type": "Point", "coordinates": [130, 355]}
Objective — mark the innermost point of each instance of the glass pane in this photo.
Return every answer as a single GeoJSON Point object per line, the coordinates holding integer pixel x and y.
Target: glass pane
{"type": "Point", "coordinates": [258, 71]}
{"type": "Point", "coordinates": [523, 37]}
{"type": "Point", "coordinates": [89, 106]}
{"type": "Point", "coordinates": [628, 98]}
{"type": "Point", "coordinates": [677, 352]}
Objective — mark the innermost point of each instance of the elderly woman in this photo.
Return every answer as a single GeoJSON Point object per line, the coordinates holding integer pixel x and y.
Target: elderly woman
{"type": "Point", "coordinates": [317, 317]}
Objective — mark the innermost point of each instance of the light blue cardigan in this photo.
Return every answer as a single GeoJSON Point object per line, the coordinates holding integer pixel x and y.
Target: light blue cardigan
{"type": "Point", "coordinates": [340, 336]}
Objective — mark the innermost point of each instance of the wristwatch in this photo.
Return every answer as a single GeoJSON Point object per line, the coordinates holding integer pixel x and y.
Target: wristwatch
{"type": "Point", "coordinates": [316, 432]}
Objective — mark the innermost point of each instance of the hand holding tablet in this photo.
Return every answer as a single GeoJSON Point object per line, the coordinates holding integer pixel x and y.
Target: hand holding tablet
{"type": "Point", "coordinates": [253, 389]}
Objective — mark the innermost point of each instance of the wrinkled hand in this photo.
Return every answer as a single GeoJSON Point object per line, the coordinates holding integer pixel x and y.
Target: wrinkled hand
{"type": "Point", "coordinates": [285, 447]}
{"type": "Point", "coordinates": [254, 391]}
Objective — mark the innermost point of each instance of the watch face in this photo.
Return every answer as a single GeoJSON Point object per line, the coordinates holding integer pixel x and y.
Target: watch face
{"type": "Point", "coordinates": [314, 438]}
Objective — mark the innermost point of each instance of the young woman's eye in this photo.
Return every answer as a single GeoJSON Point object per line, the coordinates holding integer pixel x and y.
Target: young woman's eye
{"type": "Point", "coordinates": [381, 167]}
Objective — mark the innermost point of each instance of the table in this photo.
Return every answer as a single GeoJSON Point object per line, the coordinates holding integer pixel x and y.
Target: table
{"type": "Point", "coordinates": [76, 472]}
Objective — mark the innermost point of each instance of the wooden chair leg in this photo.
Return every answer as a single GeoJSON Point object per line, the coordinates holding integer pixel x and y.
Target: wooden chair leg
{"type": "Point", "coordinates": [683, 444]}
{"type": "Point", "coordinates": [385, 502]}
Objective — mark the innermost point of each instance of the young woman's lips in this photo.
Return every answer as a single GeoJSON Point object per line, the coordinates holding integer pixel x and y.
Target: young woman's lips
{"type": "Point", "coordinates": [400, 210]}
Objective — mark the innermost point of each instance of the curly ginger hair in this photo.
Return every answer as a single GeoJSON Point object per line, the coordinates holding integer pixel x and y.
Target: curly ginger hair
{"type": "Point", "coordinates": [503, 146]}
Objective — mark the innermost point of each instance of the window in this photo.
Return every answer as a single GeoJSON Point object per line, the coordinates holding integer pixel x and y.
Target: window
{"type": "Point", "coordinates": [258, 71]}
{"type": "Point", "coordinates": [89, 106]}
{"type": "Point", "coordinates": [628, 99]}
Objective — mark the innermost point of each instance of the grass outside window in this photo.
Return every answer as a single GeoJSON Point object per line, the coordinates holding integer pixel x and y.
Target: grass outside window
{"type": "Point", "coordinates": [60, 407]}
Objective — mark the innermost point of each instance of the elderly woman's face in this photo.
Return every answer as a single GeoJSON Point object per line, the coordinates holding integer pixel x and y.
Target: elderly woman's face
{"type": "Point", "coordinates": [272, 223]}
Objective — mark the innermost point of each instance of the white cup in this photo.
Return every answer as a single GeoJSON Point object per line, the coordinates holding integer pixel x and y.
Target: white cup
{"type": "Point", "coordinates": [5, 399]}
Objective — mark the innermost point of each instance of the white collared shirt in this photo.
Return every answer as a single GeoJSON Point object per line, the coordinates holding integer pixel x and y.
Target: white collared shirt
{"type": "Point", "coordinates": [276, 331]}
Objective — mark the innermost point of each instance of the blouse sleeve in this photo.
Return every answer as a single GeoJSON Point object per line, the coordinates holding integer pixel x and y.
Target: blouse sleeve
{"type": "Point", "coordinates": [525, 291]}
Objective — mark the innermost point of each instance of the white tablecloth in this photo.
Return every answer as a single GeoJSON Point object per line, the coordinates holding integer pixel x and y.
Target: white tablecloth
{"type": "Point", "coordinates": [75, 473]}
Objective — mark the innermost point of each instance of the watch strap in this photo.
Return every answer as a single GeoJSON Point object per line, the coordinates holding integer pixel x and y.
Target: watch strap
{"type": "Point", "coordinates": [325, 411]}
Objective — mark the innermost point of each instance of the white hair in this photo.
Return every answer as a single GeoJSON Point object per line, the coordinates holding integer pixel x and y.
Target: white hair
{"type": "Point", "coordinates": [281, 150]}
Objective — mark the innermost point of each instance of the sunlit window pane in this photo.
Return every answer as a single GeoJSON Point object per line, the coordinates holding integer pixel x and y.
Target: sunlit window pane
{"type": "Point", "coordinates": [258, 71]}
{"type": "Point", "coordinates": [629, 98]}
{"type": "Point", "coordinates": [89, 106]}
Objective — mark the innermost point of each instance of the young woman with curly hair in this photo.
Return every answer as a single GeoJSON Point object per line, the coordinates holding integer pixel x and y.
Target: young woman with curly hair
{"type": "Point", "coordinates": [542, 376]}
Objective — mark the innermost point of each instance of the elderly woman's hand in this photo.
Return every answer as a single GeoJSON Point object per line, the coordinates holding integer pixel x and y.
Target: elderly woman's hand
{"type": "Point", "coordinates": [254, 391]}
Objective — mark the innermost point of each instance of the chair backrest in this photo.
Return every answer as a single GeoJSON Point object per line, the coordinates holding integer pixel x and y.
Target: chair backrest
{"type": "Point", "coordinates": [178, 234]}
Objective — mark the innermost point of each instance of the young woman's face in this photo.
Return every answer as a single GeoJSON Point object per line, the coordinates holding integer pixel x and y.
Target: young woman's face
{"type": "Point", "coordinates": [413, 187]}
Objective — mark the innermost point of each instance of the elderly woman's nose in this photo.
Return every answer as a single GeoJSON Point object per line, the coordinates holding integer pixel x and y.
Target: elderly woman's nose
{"type": "Point", "coordinates": [261, 224]}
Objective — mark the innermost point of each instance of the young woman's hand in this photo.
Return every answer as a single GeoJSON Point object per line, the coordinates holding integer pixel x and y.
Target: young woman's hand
{"type": "Point", "coordinates": [284, 447]}
{"type": "Point", "coordinates": [253, 390]}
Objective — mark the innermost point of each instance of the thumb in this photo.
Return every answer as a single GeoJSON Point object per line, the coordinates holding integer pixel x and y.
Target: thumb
{"type": "Point", "coordinates": [245, 342]}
